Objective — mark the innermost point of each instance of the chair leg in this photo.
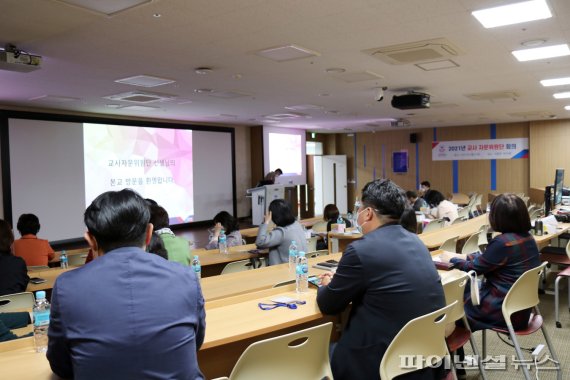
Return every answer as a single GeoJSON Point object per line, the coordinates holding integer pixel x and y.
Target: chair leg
{"type": "Point", "coordinates": [475, 349]}
{"type": "Point", "coordinates": [550, 348]}
{"type": "Point", "coordinates": [519, 352]}
{"type": "Point", "coordinates": [484, 343]}
{"type": "Point", "coordinates": [556, 302]}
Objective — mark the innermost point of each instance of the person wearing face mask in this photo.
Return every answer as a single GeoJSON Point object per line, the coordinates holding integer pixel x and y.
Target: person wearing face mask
{"type": "Point", "coordinates": [389, 278]}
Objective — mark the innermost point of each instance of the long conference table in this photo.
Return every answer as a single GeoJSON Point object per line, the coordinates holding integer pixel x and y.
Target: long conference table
{"type": "Point", "coordinates": [233, 321]}
{"type": "Point", "coordinates": [434, 240]}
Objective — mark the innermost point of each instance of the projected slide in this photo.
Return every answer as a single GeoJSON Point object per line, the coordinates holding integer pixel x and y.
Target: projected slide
{"type": "Point", "coordinates": [155, 162]}
{"type": "Point", "coordinates": [285, 153]}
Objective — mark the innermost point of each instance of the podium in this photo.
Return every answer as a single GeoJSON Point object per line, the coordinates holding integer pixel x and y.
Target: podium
{"type": "Point", "coordinates": [261, 197]}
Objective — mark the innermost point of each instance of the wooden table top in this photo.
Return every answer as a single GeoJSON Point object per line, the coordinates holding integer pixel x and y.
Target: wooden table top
{"type": "Point", "coordinates": [228, 320]}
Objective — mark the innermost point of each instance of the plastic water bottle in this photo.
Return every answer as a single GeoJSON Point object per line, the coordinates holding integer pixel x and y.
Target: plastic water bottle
{"type": "Point", "coordinates": [41, 321]}
{"type": "Point", "coordinates": [223, 242]}
{"type": "Point", "coordinates": [302, 273]}
{"type": "Point", "coordinates": [292, 256]}
{"type": "Point", "coordinates": [356, 210]}
{"type": "Point", "coordinates": [197, 267]}
{"type": "Point", "coordinates": [63, 262]}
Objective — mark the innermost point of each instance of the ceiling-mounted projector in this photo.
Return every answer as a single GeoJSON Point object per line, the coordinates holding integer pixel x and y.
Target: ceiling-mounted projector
{"type": "Point", "coordinates": [19, 61]}
{"type": "Point", "coordinates": [413, 100]}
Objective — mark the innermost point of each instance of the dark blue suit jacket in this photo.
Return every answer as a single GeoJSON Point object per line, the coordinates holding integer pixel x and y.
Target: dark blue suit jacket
{"type": "Point", "coordinates": [127, 315]}
{"type": "Point", "coordinates": [390, 279]}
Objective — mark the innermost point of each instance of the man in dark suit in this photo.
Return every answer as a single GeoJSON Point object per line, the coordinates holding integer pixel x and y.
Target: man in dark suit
{"type": "Point", "coordinates": [390, 279]}
{"type": "Point", "coordinates": [128, 314]}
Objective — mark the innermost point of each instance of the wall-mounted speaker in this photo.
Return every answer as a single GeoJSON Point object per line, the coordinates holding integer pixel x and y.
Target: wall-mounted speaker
{"type": "Point", "coordinates": [413, 138]}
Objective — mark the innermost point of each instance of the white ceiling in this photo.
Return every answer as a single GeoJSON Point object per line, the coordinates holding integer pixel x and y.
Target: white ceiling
{"type": "Point", "coordinates": [85, 52]}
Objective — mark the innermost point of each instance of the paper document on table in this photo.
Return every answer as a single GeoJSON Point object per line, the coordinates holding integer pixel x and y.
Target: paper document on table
{"type": "Point", "coordinates": [436, 258]}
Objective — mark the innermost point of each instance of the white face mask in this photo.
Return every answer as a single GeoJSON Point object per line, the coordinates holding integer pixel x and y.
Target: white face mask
{"type": "Point", "coordinates": [358, 225]}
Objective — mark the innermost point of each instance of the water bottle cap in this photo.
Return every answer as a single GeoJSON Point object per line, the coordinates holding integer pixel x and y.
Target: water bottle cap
{"type": "Point", "coordinates": [195, 256]}
{"type": "Point", "coordinates": [40, 294]}
{"type": "Point", "coordinates": [301, 253]}
{"type": "Point", "coordinates": [293, 242]}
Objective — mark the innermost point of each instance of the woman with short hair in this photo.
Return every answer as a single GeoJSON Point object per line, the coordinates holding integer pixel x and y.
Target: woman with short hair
{"type": "Point", "coordinates": [279, 239]}
{"type": "Point", "coordinates": [506, 258]}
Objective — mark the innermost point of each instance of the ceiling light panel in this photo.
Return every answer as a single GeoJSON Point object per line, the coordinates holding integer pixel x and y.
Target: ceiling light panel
{"type": "Point", "coordinates": [513, 13]}
{"type": "Point", "coordinates": [145, 81]}
{"type": "Point", "coordinates": [542, 52]}
{"type": "Point", "coordinates": [562, 95]}
{"type": "Point", "coordinates": [555, 82]}
{"type": "Point", "coordinates": [567, 108]}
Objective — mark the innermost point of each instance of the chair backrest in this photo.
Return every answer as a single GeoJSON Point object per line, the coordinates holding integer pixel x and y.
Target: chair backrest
{"type": "Point", "coordinates": [472, 244]}
{"type": "Point", "coordinates": [302, 355]}
{"type": "Point", "coordinates": [17, 302]}
{"type": "Point", "coordinates": [423, 336]}
{"type": "Point", "coordinates": [525, 200]}
{"type": "Point", "coordinates": [463, 212]}
{"type": "Point", "coordinates": [312, 244]}
{"type": "Point", "coordinates": [478, 200]}
{"type": "Point", "coordinates": [535, 214]}
{"type": "Point", "coordinates": [450, 245]}
{"type": "Point", "coordinates": [237, 266]}
{"type": "Point", "coordinates": [523, 294]}
{"type": "Point", "coordinates": [76, 260]}
{"type": "Point", "coordinates": [434, 225]}
{"type": "Point", "coordinates": [483, 236]}
{"type": "Point", "coordinates": [460, 220]}
{"type": "Point", "coordinates": [454, 290]}
{"type": "Point", "coordinates": [568, 251]}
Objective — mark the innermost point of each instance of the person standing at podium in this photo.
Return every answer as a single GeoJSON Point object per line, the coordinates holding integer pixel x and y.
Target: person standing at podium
{"type": "Point", "coordinates": [280, 238]}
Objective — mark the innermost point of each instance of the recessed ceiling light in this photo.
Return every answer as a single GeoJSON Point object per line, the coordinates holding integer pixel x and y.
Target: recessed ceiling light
{"type": "Point", "coordinates": [542, 52]}
{"type": "Point", "coordinates": [533, 43]}
{"type": "Point", "coordinates": [513, 13]}
{"type": "Point", "coordinates": [555, 82]}
{"type": "Point", "coordinates": [567, 108]}
{"type": "Point", "coordinates": [203, 90]}
{"type": "Point", "coordinates": [157, 15]}
{"type": "Point", "coordinates": [335, 70]}
{"type": "Point", "coordinates": [562, 95]}
{"type": "Point", "coordinates": [203, 70]}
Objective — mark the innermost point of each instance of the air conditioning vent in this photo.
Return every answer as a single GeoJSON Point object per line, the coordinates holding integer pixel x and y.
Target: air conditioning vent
{"type": "Point", "coordinates": [414, 52]}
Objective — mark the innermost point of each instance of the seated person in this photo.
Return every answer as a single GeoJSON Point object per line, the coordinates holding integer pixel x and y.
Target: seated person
{"type": "Point", "coordinates": [128, 314]}
{"type": "Point", "coordinates": [156, 246]}
{"type": "Point", "coordinates": [10, 321]}
{"type": "Point", "coordinates": [34, 251]}
{"type": "Point", "coordinates": [287, 229]}
{"type": "Point", "coordinates": [13, 272]}
{"type": "Point", "coordinates": [178, 248]}
{"type": "Point", "coordinates": [409, 221]}
{"type": "Point", "coordinates": [440, 207]}
{"type": "Point", "coordinates": [331, 214]}
{"type": "Point", "coordinates": [223, 220]}
{"type": "Point", "coordinates": [425, 186]}
{"type": "Point", "coordinates": [506, 258]}
{"type": "Point", "coordinates": [416, 202]}
{"type": "Point", "coordinates": [384, 297]}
